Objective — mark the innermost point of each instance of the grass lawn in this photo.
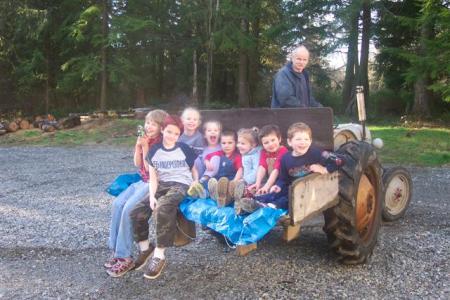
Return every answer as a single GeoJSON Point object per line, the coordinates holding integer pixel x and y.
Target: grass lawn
{"type": "Point", "coordinates": [402, 146]}
{"type": "Point", "coordinates": [414, 146]}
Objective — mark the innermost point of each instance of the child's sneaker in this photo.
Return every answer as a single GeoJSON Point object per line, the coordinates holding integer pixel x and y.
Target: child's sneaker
{"type": "Point", "coordinates": [110, 262]}
{"type": "Point", "coordinates": [249, 205]}
{"type": "Point", "coordinates": [237, 206]}
{"type": "Point", "coordinates": [239, 190]}
{"type": "Point", "coordinates": [212, 188]}
{"type": "Point", "coordinates": [121, 267]}
{"type": "Point", "coordinates": [196, 190]}
{"type": "Point", "coordinates": [143, 257]}
{"type": "Point", "coordinates": [222, 192]}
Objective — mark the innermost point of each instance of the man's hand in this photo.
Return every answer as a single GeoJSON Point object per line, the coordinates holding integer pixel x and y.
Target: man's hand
{"type": "Point", "coordinates": [275, 189]}
{"type": "Point", "coordinates": [316, 168]}
{"type": "Point", "coordinates": [153, 202]}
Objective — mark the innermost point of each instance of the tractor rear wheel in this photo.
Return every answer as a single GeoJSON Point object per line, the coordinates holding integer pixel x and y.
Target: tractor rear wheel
{"type": "Point", "coordinates": [352, 225]}
{"type": "Point", "coordinates": [397, 192]}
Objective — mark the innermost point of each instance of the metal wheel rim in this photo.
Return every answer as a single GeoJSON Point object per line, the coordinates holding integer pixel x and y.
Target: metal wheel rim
{"type": "Point", "coordinates": [397, 194]}
{"type": "Point", "coordinates": [365, 207]}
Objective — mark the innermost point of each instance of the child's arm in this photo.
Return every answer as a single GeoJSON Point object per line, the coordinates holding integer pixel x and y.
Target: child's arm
{"type": "Point", "coordinates": [215, 162]}
{"type": "Point", "coordinates": [194, 173]}
{"type": "Point", "coordinates": [272, 178]}
{"type": "Point", "coordinates": [140, 151]}
{"type": "Point", "coordinates": [153, 186]}
{"type": "Point", "coordinates": [316, 168]}
{"type": "Point", "coordinates": [238, 175]}
{"type": "Point", "coordinates": [260, 174]}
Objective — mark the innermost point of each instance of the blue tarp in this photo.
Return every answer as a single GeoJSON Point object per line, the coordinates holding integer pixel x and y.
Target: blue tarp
{"type": "Point", "coordinates": [121, 183]}
{"type": "Point", "coordinates": [240, 230]}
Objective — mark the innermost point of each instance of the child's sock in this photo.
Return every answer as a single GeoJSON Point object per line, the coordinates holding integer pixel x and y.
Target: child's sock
{"type": "Point", "coordinates": [159, 253]}
{"type": "Point", "coordinates": [144, 245]}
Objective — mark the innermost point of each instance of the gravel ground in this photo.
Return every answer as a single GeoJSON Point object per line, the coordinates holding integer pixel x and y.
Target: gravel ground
{"type": "Point", "coordinates": [54, 220]}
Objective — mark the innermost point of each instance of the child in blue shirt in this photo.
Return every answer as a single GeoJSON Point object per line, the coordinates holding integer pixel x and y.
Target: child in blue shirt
{"type": "Point", "coordinates": [301, 161]}
{"type": "Point", "coordinates": [191, 135]}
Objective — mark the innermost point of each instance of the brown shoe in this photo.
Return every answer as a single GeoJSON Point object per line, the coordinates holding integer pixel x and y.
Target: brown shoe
{"type": "Point", "coordinates": [239, 190]}
{"type": "Point", "coordinates": [222, 192]}
{"type": "Point", "coordinates": [143, 257]}
{"type": "Point", "coordinates": [155, 267]}
{"type": "Point", "coordinates": [212, 188]}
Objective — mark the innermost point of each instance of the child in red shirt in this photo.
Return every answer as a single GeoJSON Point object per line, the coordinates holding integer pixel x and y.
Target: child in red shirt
{"type": "Point", "coordinates": [269, 163]}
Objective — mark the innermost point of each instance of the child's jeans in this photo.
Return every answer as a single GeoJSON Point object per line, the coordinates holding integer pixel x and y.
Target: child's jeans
{"type": "Point", "coordinates": [121, 230]}
{"type": "Point", "coordinates": [279, 199]}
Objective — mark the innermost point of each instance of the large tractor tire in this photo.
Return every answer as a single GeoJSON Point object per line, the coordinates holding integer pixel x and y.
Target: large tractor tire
{"type": "Point", "coordinates": [397, 192]}
{"type": "Point", "coordinates": [352, 225]}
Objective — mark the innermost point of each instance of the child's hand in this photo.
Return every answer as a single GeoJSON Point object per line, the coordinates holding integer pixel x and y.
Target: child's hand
{"type": "Point", "coordinates": [253, 188]}
{"type": "Point", "coordinates": [141, 142]}
{"type": "Point", "coordinates": [263, 190]}
{"type": "Point", "coordinates": [316, 168]}
{"type": "Point", "coordinates": [153, 202]}
{"type": "Point", "coordinates": [209, 166]}
{"type": "Point", "coordinates": [275, 189]}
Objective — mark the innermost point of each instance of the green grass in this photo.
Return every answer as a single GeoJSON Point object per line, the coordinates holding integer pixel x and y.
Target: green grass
{"type": "Point", "coordinates": [402, 146]}
{"type": "Point", "coordinates": [413, 146]}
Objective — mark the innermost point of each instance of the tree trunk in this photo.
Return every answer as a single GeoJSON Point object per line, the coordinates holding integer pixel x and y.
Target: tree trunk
{"type": "Point", "coordinates": [194, 79]}
{"type": "Point", "coordinates": [352, 59]}
{"type": "Point", "coordinates": [209, 61]}
{"type": "Point", "coordinates": [365, 40]}
{"type": "Point", "coordinates": [104, 55]}
{"type": "Point", "coordinates": [140, 97]}
{"type": "Point", "coordinates": [254, 65]}
{"type": "Point", "coordinates": [243, 98]}
{"type": "Point", "coordinates": [422, 96]}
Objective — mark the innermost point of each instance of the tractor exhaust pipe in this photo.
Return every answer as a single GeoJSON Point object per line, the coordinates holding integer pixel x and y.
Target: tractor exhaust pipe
{"type": "Point", "coordinates": [361, 109]}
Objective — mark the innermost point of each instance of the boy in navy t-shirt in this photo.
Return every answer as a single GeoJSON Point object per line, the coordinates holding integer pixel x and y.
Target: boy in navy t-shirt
{"type": "Point", "coordinates": [301, 161]}
{"type": "Point", "coordinates": [171, 168]}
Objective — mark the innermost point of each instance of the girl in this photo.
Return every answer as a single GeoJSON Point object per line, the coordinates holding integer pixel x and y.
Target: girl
{"type": "Point", "coordinates": [121, 233]}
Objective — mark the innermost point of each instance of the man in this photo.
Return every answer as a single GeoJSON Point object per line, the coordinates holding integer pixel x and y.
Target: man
{"type": "Point", "coordinates": [291, 86]}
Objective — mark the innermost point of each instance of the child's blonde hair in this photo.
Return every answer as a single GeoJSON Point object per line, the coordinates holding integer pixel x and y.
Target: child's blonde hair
{"type": "Point", "coordinates": [298, 127]}
{"type": "Point", "coordinates": [189, 110]}
{"type": "Point", "coordinates": [250, 134]}
{"type": "Point", "coordinates": [158, 116]}
{"type": "Point", "coordinates": [212, 122]}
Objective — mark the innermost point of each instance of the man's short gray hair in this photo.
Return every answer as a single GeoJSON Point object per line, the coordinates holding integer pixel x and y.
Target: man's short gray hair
{"type": "Point", "coordinates": [298, 48]}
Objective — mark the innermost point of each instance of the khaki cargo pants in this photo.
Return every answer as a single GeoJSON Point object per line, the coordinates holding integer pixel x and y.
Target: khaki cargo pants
{"type": "Point", "coordinates": [169, 196]}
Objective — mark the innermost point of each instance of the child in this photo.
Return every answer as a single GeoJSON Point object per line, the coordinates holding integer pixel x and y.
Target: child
{"type": "Point", "coordinates": [251, 153]}
{"type": "Point", "coordinates": [171, 168]}
{"type": "Point", "coordinates": [302, 160]}
{"type": "Point", "coordinates": [121, 234]}
{"type": "Point", "coordinates": [191, 135]}
{"type": "Point", "coordinates": [269, 163]}
{"type": "Point", "coordinates": [226, 166]}
{"type": "Point", "coordinates": [212, 130]}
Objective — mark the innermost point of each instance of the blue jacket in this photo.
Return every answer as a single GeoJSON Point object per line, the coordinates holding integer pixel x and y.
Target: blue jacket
{"type": "Point", "coordinates": [250, 163]}
{"type": "Point", "coordinates": [286, 89]}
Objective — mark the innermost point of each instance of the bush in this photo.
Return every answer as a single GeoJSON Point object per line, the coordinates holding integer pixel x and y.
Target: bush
{"type": "Point", "coordinates": [389, 102]}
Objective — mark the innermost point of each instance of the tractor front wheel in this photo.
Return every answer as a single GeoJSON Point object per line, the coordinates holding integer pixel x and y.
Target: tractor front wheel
{"type": "Point", "coordinates": [352, 225]}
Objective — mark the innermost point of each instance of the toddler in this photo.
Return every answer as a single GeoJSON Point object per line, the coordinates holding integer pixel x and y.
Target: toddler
{"type": "Point", "coordinates": [191, 135]}
{"type": "Point", "coordinates": [269, 163]}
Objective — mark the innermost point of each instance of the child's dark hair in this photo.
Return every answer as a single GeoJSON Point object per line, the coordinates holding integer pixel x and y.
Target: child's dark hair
{"type": "Point", "coordinates": [269, 129]}
{"type": "Point", "coordinates": [228, 132]}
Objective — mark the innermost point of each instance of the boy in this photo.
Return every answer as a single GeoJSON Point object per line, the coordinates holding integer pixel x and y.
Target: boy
{"type": "Point", "coordinates": [302, 160]}
{"type": "Point", "coordinates": [269, 163]}
{"type": "Point", "coordinates": [191, 135]}
{"type": "Point", "coordinates": [121, 232]}
{"type": "Point", "coordinates": [171, 172]}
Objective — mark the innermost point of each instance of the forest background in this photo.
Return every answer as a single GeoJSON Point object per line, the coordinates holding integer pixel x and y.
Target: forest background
{"type": "Point", "coordinates": [65, 56]}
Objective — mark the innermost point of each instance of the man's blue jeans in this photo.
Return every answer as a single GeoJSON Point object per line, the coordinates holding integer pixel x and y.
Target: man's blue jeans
{"type": "Point", "coordinates": [121, 229]}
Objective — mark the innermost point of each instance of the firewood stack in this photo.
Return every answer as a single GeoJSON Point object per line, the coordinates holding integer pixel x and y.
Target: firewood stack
{"type": "Point", "coordinates": [47, 123]}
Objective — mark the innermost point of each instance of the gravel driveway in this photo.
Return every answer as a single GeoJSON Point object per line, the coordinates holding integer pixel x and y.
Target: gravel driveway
{"type": "Point", "coordinates": [54, 220]}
